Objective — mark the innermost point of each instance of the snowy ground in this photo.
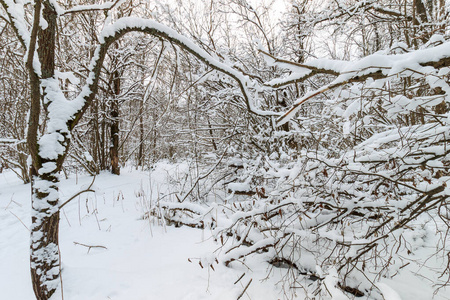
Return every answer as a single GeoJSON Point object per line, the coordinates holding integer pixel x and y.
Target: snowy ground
{"type": "Point", "coordinates": [141, 259]}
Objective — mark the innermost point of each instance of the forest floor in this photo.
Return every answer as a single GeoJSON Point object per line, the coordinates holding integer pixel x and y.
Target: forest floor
{"type": "Point", "coordinates": [130, 257]}
{"type": "Point", "coordinates": [110, 251]}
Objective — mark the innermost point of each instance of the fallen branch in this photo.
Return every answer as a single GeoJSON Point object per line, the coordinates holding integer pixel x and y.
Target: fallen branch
{"type": "Point", "coordinates": [90, 246]}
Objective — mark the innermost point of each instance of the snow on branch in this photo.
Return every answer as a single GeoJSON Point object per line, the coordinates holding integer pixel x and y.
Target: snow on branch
{"type": "Point", "coordinates": [421, 63]}
{"type": "Point", "coordinates": [10, 142]}
{"type": "Point", "coordinates": [301, 72]}
{"type": "Point", "coordinates": [123, 26]}
{"type": "Point", "coordinates": [16, 14]}
{"type": "Point", "coordinates": [359, 7]}
{"type": "Point", "coordinates": [93, 7]}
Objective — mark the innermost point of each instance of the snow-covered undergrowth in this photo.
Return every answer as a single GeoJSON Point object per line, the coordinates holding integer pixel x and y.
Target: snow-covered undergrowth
{"type": "Point", "coordinates": [115, 245]}
{"type": "Point", "coordinates": [329, 238]}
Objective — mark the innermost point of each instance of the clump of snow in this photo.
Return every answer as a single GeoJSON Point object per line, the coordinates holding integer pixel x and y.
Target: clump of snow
{"type": "Point", "coordinates": [239, 187]}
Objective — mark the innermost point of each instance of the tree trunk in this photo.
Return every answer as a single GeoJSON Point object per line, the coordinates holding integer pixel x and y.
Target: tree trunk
{"type": "Point", "coordinates": [44, 247]}
{"type": "Point", "coordinates": [114, 148]}
{"type": "Point", "coordinates": [421, 12]}
{"type": "Point", "coordinates": [141, 134]}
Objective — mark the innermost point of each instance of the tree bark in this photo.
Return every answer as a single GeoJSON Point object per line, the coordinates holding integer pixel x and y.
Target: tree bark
{"type": "Point", "coordinates": [421, 12]}
{"type": "Point", "coordinates": [141, 134]}
{"type": "Point", "coordinates": [44, 246]}
{"type": "Point", "coordinates": [114, 148]}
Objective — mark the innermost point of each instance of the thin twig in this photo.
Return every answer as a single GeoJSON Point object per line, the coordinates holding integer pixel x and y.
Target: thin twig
{"type": "Point", "coordinates": [60, 273]}
{"type": "Point", "coordinates": [90, 246]}
{"type": "Point", "coordinates": [245, 289]}
{"type": "Point", "coordinates": [243, 274]}
{"type": "Point", "coordinates": [20, 221]}
{"type": "Point", "coordinates": [79, 193]}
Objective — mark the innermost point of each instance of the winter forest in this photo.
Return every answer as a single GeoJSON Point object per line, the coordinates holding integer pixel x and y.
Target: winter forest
{"type": "Point", "coordinates": [224, 149]}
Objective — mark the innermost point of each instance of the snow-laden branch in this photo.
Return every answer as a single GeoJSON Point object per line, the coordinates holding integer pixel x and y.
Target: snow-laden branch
{"type": "Point", "coordinates": [92, 7]}
{"type": "Point", "coordinates": [421, 63]}
{"type": "Point", "coordinates": [16, 14]}
{"type": "Point", "coordinates": [123, 26]}
{"type": "Point", "coordinates": [10, 142]}
{"type": "Point", "coordinates": [301, 72]}
{"type": "Point", "coordinates": [359, 7]}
